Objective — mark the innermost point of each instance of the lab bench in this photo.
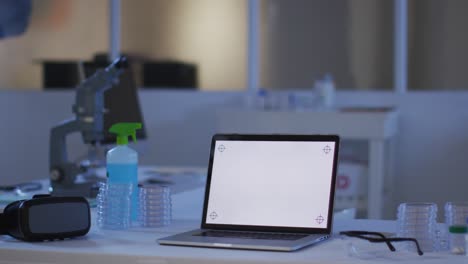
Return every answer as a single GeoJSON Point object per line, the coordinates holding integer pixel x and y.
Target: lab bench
{"type": "Point", "coordinates": [138, 245]}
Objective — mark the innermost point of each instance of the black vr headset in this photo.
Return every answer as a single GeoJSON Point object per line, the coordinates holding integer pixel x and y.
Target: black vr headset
{"type": "Point", "coordinates": [46, 217]}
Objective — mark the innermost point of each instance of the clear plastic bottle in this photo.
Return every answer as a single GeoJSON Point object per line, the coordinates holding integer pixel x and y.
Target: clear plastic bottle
{"type": "Point", "coordinates": [457, 239]}
{"type": "Point", "coordinates": [122, 162]}
{"type": "Point", "coordinates": [466, 240]}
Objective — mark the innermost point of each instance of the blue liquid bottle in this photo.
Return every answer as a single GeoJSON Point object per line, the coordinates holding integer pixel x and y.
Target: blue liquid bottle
{"type": "Point", "coordinates": [122, 161]}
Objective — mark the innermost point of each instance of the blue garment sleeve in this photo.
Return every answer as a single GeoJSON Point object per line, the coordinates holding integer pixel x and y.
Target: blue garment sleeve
{"type": "Point", "coordinates": [14, 17]}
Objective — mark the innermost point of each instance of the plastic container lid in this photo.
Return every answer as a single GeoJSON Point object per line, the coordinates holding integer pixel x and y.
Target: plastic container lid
{"type": "Point", "coordinates": [458, 229]}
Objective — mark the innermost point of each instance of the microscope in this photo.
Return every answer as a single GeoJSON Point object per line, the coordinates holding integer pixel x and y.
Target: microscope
{"type": "Point", "coordinates": [66, 176]}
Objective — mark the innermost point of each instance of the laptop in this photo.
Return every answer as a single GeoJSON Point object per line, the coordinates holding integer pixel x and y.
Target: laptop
{"type": "Point", "coordinates": [266, 192]}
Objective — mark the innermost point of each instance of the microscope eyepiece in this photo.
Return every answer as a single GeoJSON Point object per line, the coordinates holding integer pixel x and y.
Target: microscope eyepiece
{"type": "Point", "coordinates": [120, 63]}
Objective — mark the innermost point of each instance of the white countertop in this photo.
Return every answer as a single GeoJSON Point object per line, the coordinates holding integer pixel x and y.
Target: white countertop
{"type": "Point", "coordinates": [138, 245]}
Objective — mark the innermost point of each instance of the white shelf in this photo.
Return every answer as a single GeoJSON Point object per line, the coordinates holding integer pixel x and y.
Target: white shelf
{"type": "Point", "coordinates": [349, 125]}
{"type": "Point", "coordinates": [375, 127]}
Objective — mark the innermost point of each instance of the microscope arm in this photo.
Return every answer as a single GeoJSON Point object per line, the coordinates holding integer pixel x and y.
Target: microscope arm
{"type": "Point", "coordinates": [89, 106]}
{"type": "Point", "coordinates": [59, 165]}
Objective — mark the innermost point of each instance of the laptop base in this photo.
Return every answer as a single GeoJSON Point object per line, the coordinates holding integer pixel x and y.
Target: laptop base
{"type": "Point", "coordinates": [192, 238]}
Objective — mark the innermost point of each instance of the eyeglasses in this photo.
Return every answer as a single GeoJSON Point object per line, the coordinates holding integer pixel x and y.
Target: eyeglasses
{"type": "Point", "coordinates": [377, 237]}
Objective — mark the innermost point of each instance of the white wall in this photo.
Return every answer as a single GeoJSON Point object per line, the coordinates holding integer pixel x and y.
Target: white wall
{"type": "Point", "coordinates": [432, 150]}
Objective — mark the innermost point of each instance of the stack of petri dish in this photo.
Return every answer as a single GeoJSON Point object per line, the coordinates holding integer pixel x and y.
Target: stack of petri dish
{"type": "Point", "coordinates": [418, 220]}
{"type": "Point", "coordinates": [114, 205]}
{"type": "Point", "coordinates": [155, 206]}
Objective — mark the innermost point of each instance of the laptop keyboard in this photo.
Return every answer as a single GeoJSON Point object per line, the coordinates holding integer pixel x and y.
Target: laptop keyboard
{"type": "Point", "coordinates": [252, 235]}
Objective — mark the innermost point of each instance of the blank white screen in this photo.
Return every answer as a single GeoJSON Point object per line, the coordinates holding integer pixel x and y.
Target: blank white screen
{"type": "Point", "coordinates": [271, 183]}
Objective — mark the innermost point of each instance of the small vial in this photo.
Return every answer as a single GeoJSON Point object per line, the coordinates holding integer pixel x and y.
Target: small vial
{"type": "Point", "coordinates": [466, 240]}
{"type": "Point", "coordinates": [457, 235]}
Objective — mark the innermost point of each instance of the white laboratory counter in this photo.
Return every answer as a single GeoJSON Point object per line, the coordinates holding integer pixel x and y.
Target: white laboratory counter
{"type": "Point", "coordinates": [138, 245]}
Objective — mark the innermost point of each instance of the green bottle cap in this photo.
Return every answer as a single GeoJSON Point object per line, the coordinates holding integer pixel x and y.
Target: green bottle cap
{"type": "Point", "coordinates": [124, 130]}
{"type": "Point", "coordinates": [458, 229]}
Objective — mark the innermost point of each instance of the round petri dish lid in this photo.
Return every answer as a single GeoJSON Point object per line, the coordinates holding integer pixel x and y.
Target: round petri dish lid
{"type": "Point", "coordinates": [416, 221]}
{"type": "Point", "coordinates": [458, 218]}
{"type": "Point", "coordinates": [115, 186]}
{"type": "Point", "coordinates": [157, 224]}
{"type": "Point", "coordinates": [155, 209]}
{"type": "Point", "coordinates": [154, 189]}
{"type": "Point", "coordinates": [156, 213]}
{"type": "Point", "coordinates": [142, 192]}
{"type": "Point", "coordinates": [156, 216]}
{"type": "Point", "coordinates": [417, 228]}
{"type": "Point", "coordinates": [417, 231]}
{"type": "Point", "coordinates": [154, 194]}
{"type": "Point", "coordinates": [417, 207]}
{"type": "Point", "coordinates": [416, 211]}
{"type": "Point", "coordinates": [155, 201]}
{"type": "Point", "coordinates": [461, 205]}
{"type": "Point", "coordinates": [156, 205]}
{"type": "Point", "coordinates": [155, 219]}
{"type": "Point", "coordinates": [417, 216]}
{"type": "Point", "coordinates": [415, 234]}
{"type": "Point", "coordinates": [154, 198]}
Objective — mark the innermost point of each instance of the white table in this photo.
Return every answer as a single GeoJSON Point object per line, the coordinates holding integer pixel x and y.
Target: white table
{"type": "Point", "coordinates": [138, 245]}
{"type": "Point", "coordinates": [377, 128]}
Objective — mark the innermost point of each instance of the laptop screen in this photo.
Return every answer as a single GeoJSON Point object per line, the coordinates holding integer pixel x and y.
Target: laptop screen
{"type": "Point", "coordinates": [272, 181]}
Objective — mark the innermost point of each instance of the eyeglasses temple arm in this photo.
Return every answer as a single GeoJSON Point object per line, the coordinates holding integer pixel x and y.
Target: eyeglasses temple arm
{"type": "Point", "coordinates": [420, 253]}
{"type": "Point", "coordinates": [362, 235]}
